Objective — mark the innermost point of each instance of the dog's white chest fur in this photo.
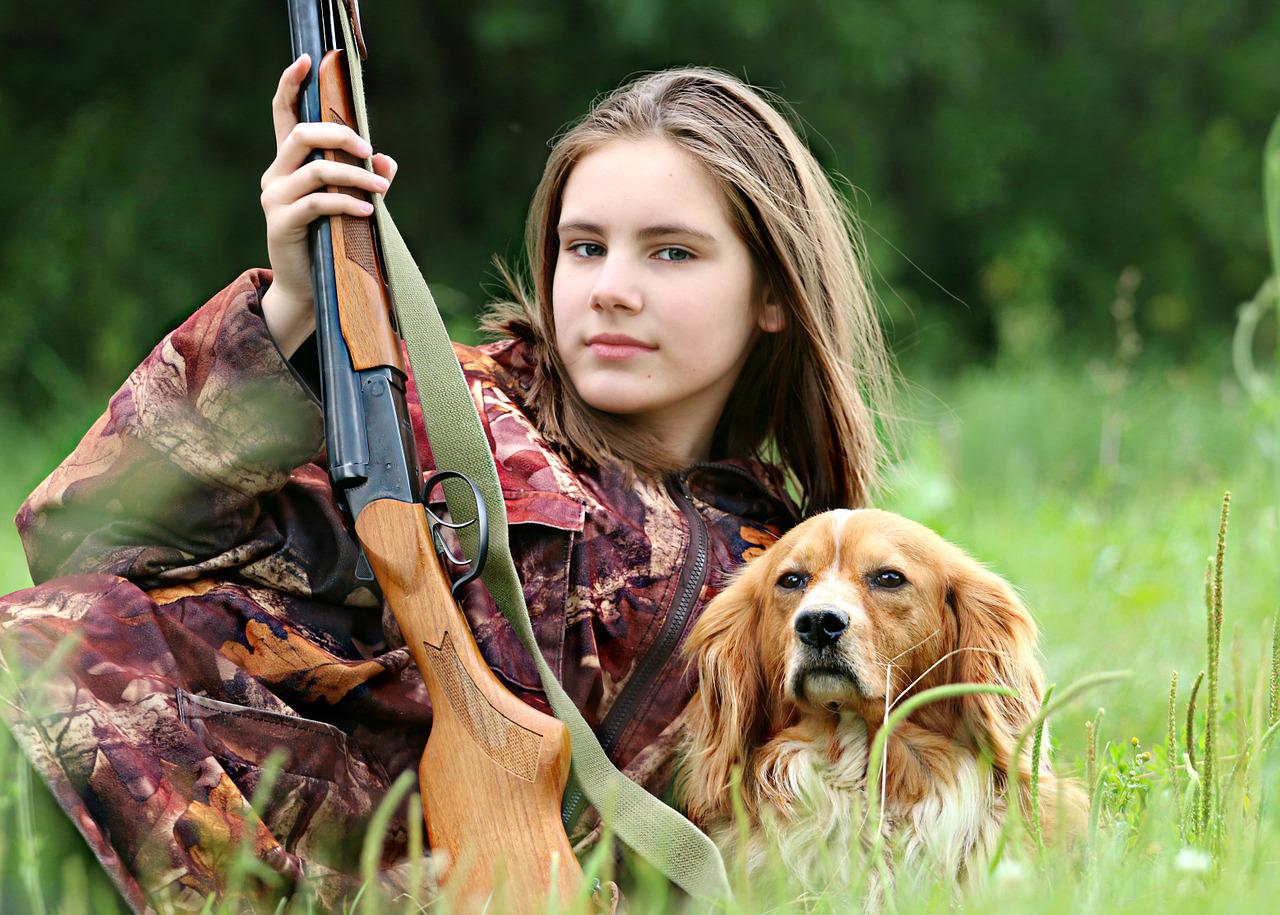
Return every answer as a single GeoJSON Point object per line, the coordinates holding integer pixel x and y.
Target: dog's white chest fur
{"type": "Point", "coordinates": [812, 803]}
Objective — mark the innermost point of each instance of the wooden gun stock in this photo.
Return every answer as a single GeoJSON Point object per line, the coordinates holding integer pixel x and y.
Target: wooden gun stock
{"type": "Point", "coordinates": [494, 768]}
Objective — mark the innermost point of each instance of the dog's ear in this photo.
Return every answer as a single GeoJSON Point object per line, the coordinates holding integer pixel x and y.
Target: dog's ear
{"type": "Point", "coordinates": [727, 715]}
{"type": "Point", "coordinates": [996, 638]}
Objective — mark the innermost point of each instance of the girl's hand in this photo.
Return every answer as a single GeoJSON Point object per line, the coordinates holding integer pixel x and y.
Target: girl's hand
{"type": "Point", "coordinates": [294, 194]}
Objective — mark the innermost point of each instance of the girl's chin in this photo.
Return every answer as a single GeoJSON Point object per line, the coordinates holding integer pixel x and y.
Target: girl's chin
{"type": "Point", "coordinates": [625, 408]}
{"type": "Point", "coordinates": [622, 400]}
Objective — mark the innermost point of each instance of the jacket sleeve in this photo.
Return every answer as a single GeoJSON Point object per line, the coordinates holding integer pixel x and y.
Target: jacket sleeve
{"type": "Point", "coordinates": [203, 465]}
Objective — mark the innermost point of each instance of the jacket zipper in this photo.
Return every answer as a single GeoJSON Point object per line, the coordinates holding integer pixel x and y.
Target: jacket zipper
{"type": "Point", "coordinates": [692, 577]}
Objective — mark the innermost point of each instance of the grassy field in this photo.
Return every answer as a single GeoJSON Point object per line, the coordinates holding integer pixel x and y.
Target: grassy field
{"type": "Point", "coordinates": [1096, 489]}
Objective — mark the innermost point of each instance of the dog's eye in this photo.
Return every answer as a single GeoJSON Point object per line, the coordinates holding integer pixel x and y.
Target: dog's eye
{"type": "Point", "coordinates": [793, 581]}
{"type": "Point", "coordinates": [888, 578]}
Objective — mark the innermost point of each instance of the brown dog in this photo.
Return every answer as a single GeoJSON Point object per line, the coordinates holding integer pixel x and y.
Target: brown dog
{"type": "Point", "coordinates": [803, 656]}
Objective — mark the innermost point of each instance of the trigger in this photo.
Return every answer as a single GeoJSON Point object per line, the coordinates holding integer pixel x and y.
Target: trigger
{"type": "Point", "coordinates": [363, 571]}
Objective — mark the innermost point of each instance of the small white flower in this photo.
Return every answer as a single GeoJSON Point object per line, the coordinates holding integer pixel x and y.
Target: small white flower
{"type": "Point", "coordinates": [1192, 861]}
{"type": "Point", "coordinates": [1011, 872]}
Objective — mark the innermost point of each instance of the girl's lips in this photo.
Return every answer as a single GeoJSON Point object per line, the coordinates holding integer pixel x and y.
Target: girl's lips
{"type": "Point", "coordinates": [615, 347]}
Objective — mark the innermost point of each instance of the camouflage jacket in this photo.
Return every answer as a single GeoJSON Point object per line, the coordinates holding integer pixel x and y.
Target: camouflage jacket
{"type": "Point", "coordinates": [193, 547]}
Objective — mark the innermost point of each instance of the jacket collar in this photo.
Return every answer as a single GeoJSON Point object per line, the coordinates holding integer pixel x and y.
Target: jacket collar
{"type": "Point", "coordinates": [745, 487]}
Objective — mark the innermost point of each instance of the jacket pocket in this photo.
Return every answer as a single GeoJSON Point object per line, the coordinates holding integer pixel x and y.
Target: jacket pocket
{"type": "Point", "coordinates": [320, 798]}
{"type": "Point", "coordinates": [247, 735]}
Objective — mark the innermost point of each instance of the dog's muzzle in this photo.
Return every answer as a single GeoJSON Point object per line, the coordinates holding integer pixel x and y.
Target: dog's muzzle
{"type": "Point", "coordinates": [821, 673]}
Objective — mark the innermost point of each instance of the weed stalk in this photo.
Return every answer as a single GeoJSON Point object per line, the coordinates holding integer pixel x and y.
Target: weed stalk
{"type": "Point", "coordinates": [1191, 722]}
{"type": "Point", "coordinates": [1171, 737]}
{"type": "Point", "coordinates": [1213, 589]}
{"type": "Point", "coordinates": [1091, 751]}
{"type": "Point", "coordinates": [1273, 682]}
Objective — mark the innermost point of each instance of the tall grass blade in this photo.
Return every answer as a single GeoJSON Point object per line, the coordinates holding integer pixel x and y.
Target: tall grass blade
{"type": "Point", "coordinates": [417, 853]}
{"type": "Point", "coordinates": [1037, 827]}
{"type": "Point", "coordinates": [376, 833]}
{"type": "Point", "coordinates": [877, 756]}
{"type": "Point", "coordinates": [1191, 722]}
{"type": "Point", "coordinates": [1267, 735]}
{"type": "Point", "coordinates": [1271, 195]}
{"type": "Point", "coordinates": [29, 844]}
{"type": "Point", "coordinates": [1047, 709]}
{"type": "Point", "coordinates": [1238, 690]}
{"type": "Point", "coordinates": [244, 862]}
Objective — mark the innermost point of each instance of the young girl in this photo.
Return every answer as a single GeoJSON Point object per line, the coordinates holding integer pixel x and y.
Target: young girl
{"type": "Point", "coordinates": [694, 345]}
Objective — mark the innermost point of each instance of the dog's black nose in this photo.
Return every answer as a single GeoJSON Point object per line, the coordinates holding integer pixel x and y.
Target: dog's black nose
{"type": "Point", "coordinates": [821, 626]}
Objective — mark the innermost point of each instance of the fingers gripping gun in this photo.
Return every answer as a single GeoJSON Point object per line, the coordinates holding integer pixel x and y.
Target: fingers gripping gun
{"type": "Point", "coordinates": [494, 768]}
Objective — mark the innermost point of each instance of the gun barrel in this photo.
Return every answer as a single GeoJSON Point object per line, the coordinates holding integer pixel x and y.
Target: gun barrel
{"type": "Point", "coordinates": [311, 33]}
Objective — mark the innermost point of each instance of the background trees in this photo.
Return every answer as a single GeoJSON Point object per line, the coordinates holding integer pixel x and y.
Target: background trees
{"type": "Point", "coordinates": [1009, 158]}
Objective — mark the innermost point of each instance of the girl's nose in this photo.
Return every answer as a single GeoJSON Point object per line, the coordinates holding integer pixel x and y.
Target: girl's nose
{"type": "Point", "coordinates": [616, 287]}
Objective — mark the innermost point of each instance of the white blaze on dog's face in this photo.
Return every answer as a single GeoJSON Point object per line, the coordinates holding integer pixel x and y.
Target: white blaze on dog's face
{"type": "Point", "coordinates": [861, 595]}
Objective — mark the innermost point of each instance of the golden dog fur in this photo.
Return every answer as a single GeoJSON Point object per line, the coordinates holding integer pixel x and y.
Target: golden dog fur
{"type": "Point", "coordinates": [887, 609]}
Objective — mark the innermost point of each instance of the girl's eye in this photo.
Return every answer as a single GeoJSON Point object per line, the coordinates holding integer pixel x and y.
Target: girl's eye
{"type": "Point", "coordinates": [677, 254]}
{"type": "Point", "coordinates": [888, 578]}
{"type": "Point", "coordinates": [793, 581]}
{"type": "Point", "coordinates": [597, 249]}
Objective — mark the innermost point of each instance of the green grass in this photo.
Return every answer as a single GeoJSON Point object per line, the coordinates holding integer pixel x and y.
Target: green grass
{"type": "Point", "coordinates": [1100, 501]}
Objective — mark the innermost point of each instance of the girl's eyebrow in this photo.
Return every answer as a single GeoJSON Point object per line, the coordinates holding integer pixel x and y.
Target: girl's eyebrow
{"type": "Point", "coordinates": [648, 232]}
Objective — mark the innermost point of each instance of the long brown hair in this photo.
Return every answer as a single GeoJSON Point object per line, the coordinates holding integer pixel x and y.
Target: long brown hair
{"type": "Point", "coordinates": [806, 395]}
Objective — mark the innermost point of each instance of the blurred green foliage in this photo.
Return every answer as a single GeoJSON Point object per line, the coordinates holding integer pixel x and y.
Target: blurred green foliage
{"type": "Point", "coordinates": [1011, 157]}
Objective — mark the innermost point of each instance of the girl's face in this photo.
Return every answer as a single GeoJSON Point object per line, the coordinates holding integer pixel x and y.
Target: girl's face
{"type": "Point", "coordinates": [655, 297]}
